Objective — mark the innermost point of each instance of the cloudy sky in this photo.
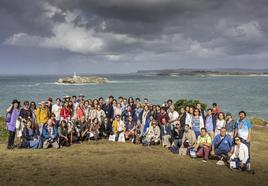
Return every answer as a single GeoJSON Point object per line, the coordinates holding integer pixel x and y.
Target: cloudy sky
{"type": "Point", "coordinates": [121, 36]}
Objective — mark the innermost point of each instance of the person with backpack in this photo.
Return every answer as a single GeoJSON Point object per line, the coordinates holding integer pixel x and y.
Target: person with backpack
{"type": "Point", "coordinates": [12, 115]}
{"type": "Point", "coordinates": [222, 146]}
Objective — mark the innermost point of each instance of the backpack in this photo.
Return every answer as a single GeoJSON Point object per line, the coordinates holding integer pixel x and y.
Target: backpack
{"type": "Point", "coordinates": [8, 117]}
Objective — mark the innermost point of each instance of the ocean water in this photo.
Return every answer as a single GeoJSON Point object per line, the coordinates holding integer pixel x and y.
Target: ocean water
{"type": "Point", "coordinates": [231, 93]}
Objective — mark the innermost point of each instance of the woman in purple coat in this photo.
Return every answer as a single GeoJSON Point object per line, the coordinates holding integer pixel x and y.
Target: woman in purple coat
{"type": "Point", "coordinates": [13, 112]}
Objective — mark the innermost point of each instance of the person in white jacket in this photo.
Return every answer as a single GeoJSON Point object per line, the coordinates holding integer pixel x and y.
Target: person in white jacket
{"type": "Point", "coordinates": [240, 156]}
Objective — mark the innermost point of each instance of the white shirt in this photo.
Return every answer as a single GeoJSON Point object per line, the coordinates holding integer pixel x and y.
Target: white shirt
{"type": "Point", "coordinates": [173, 115]}
{"type": "Point", "coordinates": [56, 110]}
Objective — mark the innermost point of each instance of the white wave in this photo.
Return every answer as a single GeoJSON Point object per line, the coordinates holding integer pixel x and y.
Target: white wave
{"type": "Point", "coordinates": [68, 84]}
{"type": "Point", "coordinates": [30, 85]}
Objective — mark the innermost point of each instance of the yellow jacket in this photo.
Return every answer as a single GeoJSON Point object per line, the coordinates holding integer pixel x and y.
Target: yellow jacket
{"type": "Point", "coordinates": [42, 115]}
{"type": "Point", "coordinates": [115, 126]}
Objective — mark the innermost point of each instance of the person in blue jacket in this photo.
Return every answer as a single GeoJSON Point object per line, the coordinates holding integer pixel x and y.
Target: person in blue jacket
{"type": "Point", "coordinates": [222, 145]}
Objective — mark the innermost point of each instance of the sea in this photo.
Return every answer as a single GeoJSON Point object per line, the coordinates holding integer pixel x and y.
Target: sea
{"type": "Point", "coordinates": [232, 93]}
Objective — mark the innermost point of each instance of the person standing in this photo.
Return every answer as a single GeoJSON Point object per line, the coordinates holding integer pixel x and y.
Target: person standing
{"type": "Point", "coordinates": [12, 115]}
{"type": "Point", "coordinates": [243, 128]}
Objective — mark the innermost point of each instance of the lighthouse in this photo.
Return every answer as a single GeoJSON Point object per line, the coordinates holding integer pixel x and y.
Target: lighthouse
{"type": "Point", "coordinates": [75, 76]}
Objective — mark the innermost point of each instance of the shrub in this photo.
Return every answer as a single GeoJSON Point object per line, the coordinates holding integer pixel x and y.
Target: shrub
{"type": "Point", "coordinates": [3, 131]}
{"type": "Point", "coordinates": [258, 121]}
{"type": "Point", "coordinates": [184, 102]}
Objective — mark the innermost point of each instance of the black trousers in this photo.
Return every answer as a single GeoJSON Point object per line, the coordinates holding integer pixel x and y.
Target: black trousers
{"type": "Point", "coordinates": [11, 138]}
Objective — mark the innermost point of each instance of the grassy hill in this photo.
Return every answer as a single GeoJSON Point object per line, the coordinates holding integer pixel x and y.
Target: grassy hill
{"type": "Point", "coordinates": [104, 163]}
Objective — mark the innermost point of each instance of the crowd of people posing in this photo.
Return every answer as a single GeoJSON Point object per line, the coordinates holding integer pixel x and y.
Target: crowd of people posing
{"type": "Point", "coordinates": [191, 130]}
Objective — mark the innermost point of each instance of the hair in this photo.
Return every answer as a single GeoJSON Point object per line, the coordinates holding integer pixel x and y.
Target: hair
{"type": "Point", "coordinates": [74, 96]}
{"type": "Point", "coordinates": [222, 114]}
{"type": "Point", "coordinates": [16, 101]}
{"type": "Point", "coordinates": [214, 104]}
{"type": "Point", "coordinates": [111, 97]}
{"type": "Point", "coordinates": [26, 103]}
{"type": "Point", "coordinates": [203, 129]}
{"type": "Point", "coordinates": [137, 99]}
{"type": "Point", "coordinates": [243, 112]}
{"type": "Point", "coordinates": [169, 100]}
{"type": "Point", "coordinates": [186, 125]}
{"type": "Point", "coordinates": [58, 99]}
{"type": "Point", "coordinates": [209, 109]}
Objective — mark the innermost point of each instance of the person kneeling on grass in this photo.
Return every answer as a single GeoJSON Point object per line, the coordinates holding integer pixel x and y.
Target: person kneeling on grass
{"type": "Point", "coordinates": [240, 156]}
{"type": "Point", "coordinates": [188, 140]}
{"type": "Point", "coordinates": [203, 145]}
{"type": "Point", "coordinates": [222, 146]}
{"type": "Point", "coordinates": [153, 135]}
{"type": "Point", "coordinates": [30, 138]}
{"type": "Point", "coordinates": [63, 134]}
{"type": "Point", "coordinates": [50, 135]}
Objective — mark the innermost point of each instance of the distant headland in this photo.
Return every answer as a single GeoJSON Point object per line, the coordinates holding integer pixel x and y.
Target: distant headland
{"type": "Point", "coordinates": [202, 72]}
{"type": "Point", "coordinates": [83, 79]}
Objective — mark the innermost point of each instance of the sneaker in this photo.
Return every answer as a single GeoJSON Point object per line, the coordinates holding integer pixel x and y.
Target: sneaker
{"type": "Point", "coordinates": [205, 161]}
{"type": "Point", "coordinates": [220, 162]}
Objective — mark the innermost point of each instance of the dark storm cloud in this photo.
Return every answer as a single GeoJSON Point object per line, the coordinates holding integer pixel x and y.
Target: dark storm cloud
{"type": "Point", "coordinates": [137, 30]}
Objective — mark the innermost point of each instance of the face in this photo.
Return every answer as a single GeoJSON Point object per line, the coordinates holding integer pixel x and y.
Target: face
{"type": "Point", "coordinates": [186, 128]}
{"type": "Point", "coordinates": [58, 102]}
{"type": "Point", "coordinates": [16, 105]}
{"type": "Point", "coordinates": [221, 116]}
{"type": "Point", "coordinates": [187, 109]}
{"type": "Point", "coordinates": [29, 124]}
{"type": "Point", "coordinates": [203, 132]}
{"type": "Point", "coordinates": [117, 118]}
{"type": "Point", "coordinates": [154, 124]}
{"type": "Point", "coordinates": [209, 112]}
{"type": "Point", "coordinates": [43, 104]}
{"type": "Point", "coordinates": [242, 116]}
{"type": "Point", "coordinates": [164, 121]}
{"type": "Point", "coordinates": [237, 141]}
{"type": "Point", "coordinates": [27, 106]}
{"type": "Point", "coordinates": [196, 112]}
{"type": "Point", "coordinates": [223, 132]}
{"type": "Point", "coordinates": [66, 104]}
{"type": "Point", "coordinates": [105, 120]}
{"type": "Point", "coordinates": [191, 110]}
{"type": "Point", "coordinates": [198, 106]}
{"type": "Point", "coordinates": [177, 125]}
{"type": "Point", "coordinates": [74, 99]}
{"type": "Point", "coordinates": [50, 122]}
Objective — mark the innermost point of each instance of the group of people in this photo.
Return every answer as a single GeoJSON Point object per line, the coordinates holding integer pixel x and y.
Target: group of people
{"type": "Point", "coordinates": [188, 130]}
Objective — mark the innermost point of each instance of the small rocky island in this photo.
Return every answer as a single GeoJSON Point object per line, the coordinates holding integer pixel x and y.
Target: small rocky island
{"type": "Point", "coordinates": [83, 79]}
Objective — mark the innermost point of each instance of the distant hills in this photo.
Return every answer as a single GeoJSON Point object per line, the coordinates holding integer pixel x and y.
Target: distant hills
{"type": "Point", "coordinates": [205, 72]}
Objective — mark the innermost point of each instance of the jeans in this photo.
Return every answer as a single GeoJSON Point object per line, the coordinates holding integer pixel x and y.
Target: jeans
{"type": "Point", "coordinates": [11, 138]}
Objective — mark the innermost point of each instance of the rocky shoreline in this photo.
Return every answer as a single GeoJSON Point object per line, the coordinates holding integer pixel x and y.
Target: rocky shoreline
{"type": "Point", "coordinates": [85, 79]}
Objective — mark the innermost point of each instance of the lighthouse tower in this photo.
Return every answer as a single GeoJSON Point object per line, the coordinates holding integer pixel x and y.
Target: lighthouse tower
{"type": "Point", "coordinates": [75, 76]}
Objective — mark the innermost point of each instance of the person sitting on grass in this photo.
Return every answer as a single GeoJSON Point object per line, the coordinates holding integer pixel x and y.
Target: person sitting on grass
{"type": "Point", "coordinates": [153, 135]}
{"type": "Point", "coordinates": [203, 145]}
{"type": "Point", "coordinates": [49, 135]}
{"type": "Point", "coordinates": [176, 135]}
{"type": "Point", "coordinates": [94, 129]}
{"type": "Point", "coordinates": [222, 146]}
{"type": "Point", "coordinates": [166, 133]}
{"type": "Point", "coordinates": [63, 134]}
{"type": "Point", "coordinates": [130, 129]}
{"type": "Point", "coordinates": [240, 156]}
{"type": "Point", "coordinates": [188, 140]}
{"type": "Point", "coordinates": [30, 138]}
{"type": "Point", "coordinates": [106, 128]}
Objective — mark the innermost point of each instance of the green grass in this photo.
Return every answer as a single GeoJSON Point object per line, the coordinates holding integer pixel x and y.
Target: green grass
{"type": "Point", "coordinates": [104, 163]}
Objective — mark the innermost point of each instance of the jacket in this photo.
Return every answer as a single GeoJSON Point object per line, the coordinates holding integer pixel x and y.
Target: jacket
{"type": "Point", "coordinates": [241, 153]}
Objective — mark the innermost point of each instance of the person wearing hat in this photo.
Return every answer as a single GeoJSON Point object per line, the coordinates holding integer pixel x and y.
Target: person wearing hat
{"type": "Point", "coordinates": [81, 98]}
{"type": "Point", "coordinates": [12, 115]}
{"type": "Point", "coordinates": [153, 135]}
